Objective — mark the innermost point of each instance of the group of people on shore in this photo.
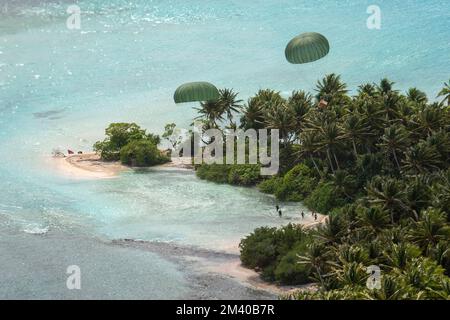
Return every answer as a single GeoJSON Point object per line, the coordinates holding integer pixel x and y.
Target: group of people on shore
{"type": "Point", "coordinates": [280, 213]}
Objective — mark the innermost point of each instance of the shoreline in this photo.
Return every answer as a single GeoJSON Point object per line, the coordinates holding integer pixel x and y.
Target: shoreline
{"type": "Point", "coordinates": [87, 166]}
{"type": "Point", "coordinates": [216, 262]}
{"type": "Point", "coordinates": [236, 270]}
{"type": "Point", "coordinates": [226, 261]}
{"type": "Point", "coordinates": [90, 166]}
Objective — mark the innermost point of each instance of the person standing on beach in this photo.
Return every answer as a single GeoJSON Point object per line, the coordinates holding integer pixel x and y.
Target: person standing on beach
{"type": "Point", "coordinates": [280, 214]}
{"type": "Point", "coordinates": [303, 215]}
{"type": "Point", "coordinates": [315, 216]}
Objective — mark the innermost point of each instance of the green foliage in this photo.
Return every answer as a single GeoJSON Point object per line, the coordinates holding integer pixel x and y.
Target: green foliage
{"type": "Point", "coordinates": [273, 252]}
{"type": "Point", "coordinates": [107, 151]}
{"type": "Point", "coordinates": [172, 135]}
{"type": "Point", "coordinates": [324, 198]}
{"type": "Point", "coordinates": [213, 172]}
{"type": "Point", "coordinates": [212, 113]}
{"type": "Point", "coordinates": [118, 135]}
{"type": "Point", "coordinates": [258, 250]}
{"type": "Point", "coordinates": [445, 93]}
{"type": "Point", "coordinates": [141, 153]}
{"type": "Point", "coordinates": [379, 164]}
{"type": "Point", "coordinates": [244, 175]}
{"type": "Point", "coordinates": [289, 271]}
{"type": "Point", "coordinates": [131, 145]}
{"type": "Point", "coordinates": [270, 185]}
{"type": "Point", "coordinates": [296, 184]}
{"type": "Point", "coordinates": [236, 174]}
{"type": "Point", "coordinates": [368, 166]}
{"type": "Point", "coordinates": [413, 257]}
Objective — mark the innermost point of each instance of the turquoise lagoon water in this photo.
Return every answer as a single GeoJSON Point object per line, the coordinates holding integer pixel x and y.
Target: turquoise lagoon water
{"type": "Point", "coordinates": [60, 88]}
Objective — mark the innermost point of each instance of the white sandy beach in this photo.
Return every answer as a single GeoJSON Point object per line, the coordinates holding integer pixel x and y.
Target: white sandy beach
{"type": "Point", "coordinates": [235, 270]}
{"type": "Point", "coordinates": [90, 166]}
{"type": "Point", "coordinates": [87, 166]}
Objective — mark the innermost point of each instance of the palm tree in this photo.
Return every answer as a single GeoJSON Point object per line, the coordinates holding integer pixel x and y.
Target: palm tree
{"type": "Point", "coordinates": [443, 292]}
{"type": "Point", "coordinates": [398, 255]}
{"type": "Point", "coordinates": [331, 88]}
{"type": "Point", "coordinates": [350, 253]}
{"type": "Point", "coordinates": [300, 103]}
{"type": "Point", "coordinates": [417, 96]}
{"type": "Point", "coordinates": [385, 87]}
{"type": "Point", "coordinates": [343, 183]}
{"type": "Point", "coordinates": [372, 114]}
{"type": "Point", "coordinates": [440, 253]}
{"type": "Point", "coordinates": [331, 231]}
{"type": "Point", "coordinates": [388, 194]}
{"type": "Point", "coordinates": [430, 230]}
{"type": "Point", "coordinates": [257, 107]}
{"type": "Point", "coordinates": [441, 141]}
{"type": "Point", "coordinates": [351, 274]}
{"type": "Point", "coordinates": [229, 103]}
{"type": "Point", "coordinates": [445, 92]}
{"type": "Point", "coordinates": [390, 103]}
{"type": "Point", "coordinates": [418, 194]}
{"type": "Point", "coordinates": [309, 141]}
{"type": "Point", "coordinates": [330, 141]}
{"type": "Point", "coordinates": [389, 99]}
{"type": "Point", "coordinates": [355, 129]}
{"type": "Point", "coordinates": [373, 218]}
{"type": "Point", "coordinates": [253, 116]}
{"type": "Point", "coordinates": [268, 97]}
{"type": "Point", "coordinates": [210, 113]}
{"type": "Point", "coordinates": [316, 257]}
{"type": "Point", "coordinates": [422, 277]}
{"type": "Point", "coordinates": [282, 118]}
{"type": "Point", "coordinates": [421, 158]}
{"type": "Point", "coordinates": [390, 290]}
{"type": "Point", "coordinates": [394, 140]}
{"type": "Point", "coordinates": [367, 90]}
{"type": "Point", "coordinates": [428, 121]}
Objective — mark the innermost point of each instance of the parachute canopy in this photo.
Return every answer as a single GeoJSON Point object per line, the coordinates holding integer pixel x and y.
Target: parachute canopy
{"type": "Point", "coordinates": [307, 47]}
{"type": "Point", "coordinates": [196, 91]}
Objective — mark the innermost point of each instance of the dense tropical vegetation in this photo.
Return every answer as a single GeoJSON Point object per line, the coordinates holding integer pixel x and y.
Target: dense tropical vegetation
{"type": "Point", "coordinates": [131, 145]}
{"type": "Point", "coordinates": [377, 163]}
